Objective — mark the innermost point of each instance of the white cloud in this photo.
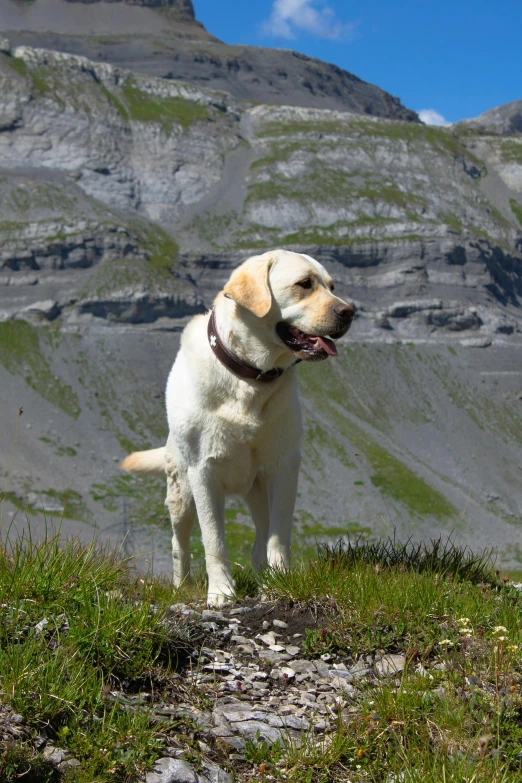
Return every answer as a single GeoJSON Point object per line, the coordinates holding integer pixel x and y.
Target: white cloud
{"type": "Point", "coordinates": [432, 117]}
{"type": "Point", "coordinates": [289, 17]}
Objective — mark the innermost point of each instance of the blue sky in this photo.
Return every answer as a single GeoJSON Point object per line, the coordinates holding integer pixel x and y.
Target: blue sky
{"type": "Point", "coordinates": [454, 58]}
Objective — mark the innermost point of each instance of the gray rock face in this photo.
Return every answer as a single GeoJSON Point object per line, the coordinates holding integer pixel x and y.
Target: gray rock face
{"type": "Point", "coordinates": [184, 6]}
{"type": "Point", "coordinates": [504, 120]}
{"type": "Point", "coordinates": [172, 44]}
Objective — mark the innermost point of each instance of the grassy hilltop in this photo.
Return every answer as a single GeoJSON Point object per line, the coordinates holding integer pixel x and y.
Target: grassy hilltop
{"type": "Point", "coordinates": [102, 671]}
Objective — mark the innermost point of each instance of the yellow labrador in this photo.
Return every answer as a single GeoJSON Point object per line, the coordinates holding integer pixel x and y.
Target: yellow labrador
{"type": "Point", "coordinates": [233, 409]}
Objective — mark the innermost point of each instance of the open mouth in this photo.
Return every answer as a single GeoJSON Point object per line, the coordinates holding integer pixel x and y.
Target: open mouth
{"type": "Point", "coordinates": [309, 347]}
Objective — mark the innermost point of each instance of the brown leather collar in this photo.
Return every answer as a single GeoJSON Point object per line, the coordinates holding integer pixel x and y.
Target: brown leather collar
{"type": "Point", "coordinates": [232, 361]}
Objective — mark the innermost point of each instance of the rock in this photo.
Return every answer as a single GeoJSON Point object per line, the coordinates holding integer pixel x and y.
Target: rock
{"type": "Point", "coordinates": [167, 770]}
{"type": "Point", "coordinates": [279, 624]}
{"type": "Point", "coordinates": [268, 638]}
{"type": "Point", "coordinates": [215, 774]}
{"type": "Point", "coordinates": [68, 764]}
{"type": "Point", "coordinates": [403, 309]}
{"type": "Point", "coordinates": [390, 665]}
{"type": "Point", "coordinates": [54, 755]}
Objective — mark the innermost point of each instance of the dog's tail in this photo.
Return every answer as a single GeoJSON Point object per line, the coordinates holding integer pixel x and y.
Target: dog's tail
{"type": "Point", "coordinates": [151, 462]}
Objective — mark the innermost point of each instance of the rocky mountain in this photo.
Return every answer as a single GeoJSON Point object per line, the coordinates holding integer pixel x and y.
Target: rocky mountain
{"type": "Point", "coordinates": [125, 201]}
{"type": "Point", "coordinates": [503, 120]}
{"type": "Point", "coordinates": [164, 39]}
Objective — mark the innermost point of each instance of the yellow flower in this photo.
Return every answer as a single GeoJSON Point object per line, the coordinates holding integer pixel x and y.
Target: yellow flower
{"type": "Point", "coordinates": [446, 643]}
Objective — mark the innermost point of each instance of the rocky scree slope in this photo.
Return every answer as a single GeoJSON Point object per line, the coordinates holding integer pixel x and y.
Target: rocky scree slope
{"type": "Point", "coordinates": [126, 201]}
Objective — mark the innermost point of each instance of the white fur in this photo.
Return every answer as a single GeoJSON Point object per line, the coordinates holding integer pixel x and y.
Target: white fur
{"type": "Point", "coordinates": [231, 436]}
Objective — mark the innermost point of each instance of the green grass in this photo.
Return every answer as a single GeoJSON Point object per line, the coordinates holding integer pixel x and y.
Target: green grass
{"type": "Point", "coordinates": [516, 209]}
{"type": "Point", "coordinates": [437, 604]}
{"type": "Point", "coordinates": [15, 63]}
{"type": "Point", "coordinates": [452, 221]}
{"type": "Point", "coordinates": [167, 112]}
{"type": "Point", "coordinates": [76, 626]}
{"type": "Point", "coordinates": [511, 151]}
{"type": "Point", "coordinates": [21, 354]}
{"type": "Point", "coordinates": [347, 404]}
{"type": "Point", "coordinates": [82, 634]}
{"type": "Point", "coordinates": [442, 140]}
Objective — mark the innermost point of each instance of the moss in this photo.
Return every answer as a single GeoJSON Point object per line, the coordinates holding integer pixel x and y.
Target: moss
{"type": "Point", "coordinates": [516, 209]}
{"type": "Point", "coordinates": [20, 354]}
{"type": "Point", "coordinates": [167, 112]}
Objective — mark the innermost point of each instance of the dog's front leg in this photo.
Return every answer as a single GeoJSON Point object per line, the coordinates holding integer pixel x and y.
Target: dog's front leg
{"type": "Point", "coordinates": [282, 491]}
{"type": "Point", "coordinates": [210, 505]}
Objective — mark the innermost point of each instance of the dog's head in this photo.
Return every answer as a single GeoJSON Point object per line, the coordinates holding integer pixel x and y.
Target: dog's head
{"type": "Point", "coordinates": [292, 296]}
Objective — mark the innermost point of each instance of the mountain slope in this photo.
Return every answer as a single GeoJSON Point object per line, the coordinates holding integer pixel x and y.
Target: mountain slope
{"type": "Point", "coordinates": [126, 200]}
{"type": "Point", "coordinates": [164, 39]}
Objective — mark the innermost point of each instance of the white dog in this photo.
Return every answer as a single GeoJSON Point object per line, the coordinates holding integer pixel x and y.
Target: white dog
{"type": "Point", "coordinates": [233, 409]}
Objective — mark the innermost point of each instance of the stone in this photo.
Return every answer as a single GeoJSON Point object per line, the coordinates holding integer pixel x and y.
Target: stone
{"type": "Point", "coordinates": [279, 624]}
{"type": "Point", "coordinates": [258, 731]}
{"type": "Point", "coordinates": [301, 665]}
{"type": "Point", "coordinates": [168, 770]}
{"type": "Point", "coordinates": [292, 649]}
{"type": "Point", "coordinates": [268, 638]}
{"type": "Point", "coordinates": [214, 774]}
{"type": "Point", "coordinates": [54, 755]}
{"type": "Point", "coordinates": [390, 665]}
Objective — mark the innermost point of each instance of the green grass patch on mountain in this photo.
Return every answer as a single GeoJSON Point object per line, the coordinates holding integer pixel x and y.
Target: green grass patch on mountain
{"type": "Point", "coordinates": [21, 354]}
{"type": "Point", "coordinates": [511, 151]}
{"type": "Point", "coordinates": [15, 63]}
{"type": "Point", "coordinates": [444, 140]}
{"type": "Point", "coordinates": [167, 112]}
{"type": "Point", "coordinates": [516, 208]}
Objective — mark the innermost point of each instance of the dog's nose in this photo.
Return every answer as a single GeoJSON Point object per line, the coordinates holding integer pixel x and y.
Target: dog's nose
{"type": "Point", "coordinates": [345, 312]}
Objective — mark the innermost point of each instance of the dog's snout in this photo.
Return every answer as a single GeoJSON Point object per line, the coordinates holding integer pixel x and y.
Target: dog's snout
{"type": "Point", "coordinates": [345, 312]}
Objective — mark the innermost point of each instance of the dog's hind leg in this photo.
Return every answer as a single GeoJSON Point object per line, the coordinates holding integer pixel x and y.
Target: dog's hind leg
{"type": "Point", "coordinates": [182, 510]}
{"type": "Point", "coordinates": [257, 501]}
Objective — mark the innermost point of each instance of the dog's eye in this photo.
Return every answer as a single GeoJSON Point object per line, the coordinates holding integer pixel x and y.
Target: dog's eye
{"type": "Point", "coordinates": [306, 283]}
{"type": "Point", "coordinates": [332, 287]}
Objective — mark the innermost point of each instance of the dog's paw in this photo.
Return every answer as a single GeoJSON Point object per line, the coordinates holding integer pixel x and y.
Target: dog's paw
{"type": "Point", "coordinates": [217, 599]}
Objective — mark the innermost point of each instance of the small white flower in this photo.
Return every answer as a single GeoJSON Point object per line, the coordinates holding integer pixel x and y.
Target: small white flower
{"type": "Point", "coordinates": [446, 643]}
{"type": "Point", "coordinates": [500, 629]}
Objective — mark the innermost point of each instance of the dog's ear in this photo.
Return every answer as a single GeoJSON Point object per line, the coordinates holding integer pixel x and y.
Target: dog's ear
{"type": "Point", "coordinates": [248, 285]}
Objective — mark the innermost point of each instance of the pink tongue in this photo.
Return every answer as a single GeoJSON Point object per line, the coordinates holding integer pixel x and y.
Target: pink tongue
{"type": "Point", "coordinates": [326, 344]}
